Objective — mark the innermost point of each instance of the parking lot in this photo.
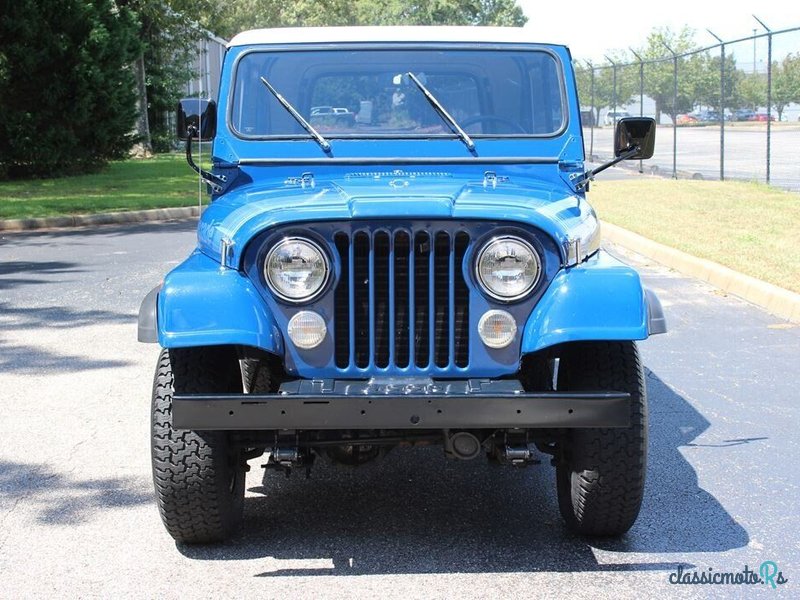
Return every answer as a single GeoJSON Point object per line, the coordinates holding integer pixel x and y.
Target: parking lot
{"type": "Point", "coordinates": [77, 517]}
{"type": "Point", "coordinates": [699, 150]}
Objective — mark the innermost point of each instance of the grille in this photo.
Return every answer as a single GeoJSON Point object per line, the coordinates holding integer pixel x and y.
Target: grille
{"type": "Point", "coordinates": [401, 301]}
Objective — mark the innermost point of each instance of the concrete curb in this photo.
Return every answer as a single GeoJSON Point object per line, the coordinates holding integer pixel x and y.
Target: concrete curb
{"type": "Point", "coordinates": [778, 301]}
{"type": "Point", "coordinates": [112, 218]}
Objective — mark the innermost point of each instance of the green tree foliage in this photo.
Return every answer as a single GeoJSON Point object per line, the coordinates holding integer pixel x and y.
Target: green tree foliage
{"type": "Point", "coordinates": [249, 14]}
{"type": "Point", "coordinates": [659, 76]}
{"type": "Point", "coordinates": [707, 82]}
{"type": "Point", "coordinates": [66, 87]}
{"type": "Point", "coordinates": [605, 94]}
{"type": "Point", "coordinates": [169, 31]}
{"type": "Point", "coordinates": [752, 91]}
{"type": "Point", "coordinates": [786, 83]}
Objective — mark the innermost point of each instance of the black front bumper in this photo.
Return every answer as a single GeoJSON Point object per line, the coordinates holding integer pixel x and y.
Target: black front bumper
{"type": "Point", "coordinates": [470, 404]}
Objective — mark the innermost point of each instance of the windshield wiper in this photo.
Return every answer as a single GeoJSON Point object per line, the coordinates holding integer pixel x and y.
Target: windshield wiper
{"type": "Point", "coordinates": [323, 143]}
{"type": "Point", "coordinates": [443, 113]}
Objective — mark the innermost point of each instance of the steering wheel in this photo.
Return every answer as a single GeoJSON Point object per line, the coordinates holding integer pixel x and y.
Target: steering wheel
{"type": "Point", "coordinates": [513, 125]}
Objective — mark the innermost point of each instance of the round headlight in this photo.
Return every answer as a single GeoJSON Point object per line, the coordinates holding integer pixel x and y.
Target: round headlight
{"type": "Point", "coordinates": [296, 269]}
{"type": "Point", "coordinates": [508, 268]}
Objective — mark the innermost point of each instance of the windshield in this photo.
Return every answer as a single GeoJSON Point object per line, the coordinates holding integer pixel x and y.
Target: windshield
{"type": "Point", "coordinates": [368, 93]}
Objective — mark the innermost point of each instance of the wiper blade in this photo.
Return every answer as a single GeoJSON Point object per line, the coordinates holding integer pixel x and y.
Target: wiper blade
{"type": "Point", "coordinates": [443, 113]}
{"type": "Point", "coordinates": [323, 143]}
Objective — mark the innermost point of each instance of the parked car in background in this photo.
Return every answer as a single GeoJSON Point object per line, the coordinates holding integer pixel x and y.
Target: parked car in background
{"type": "Point", "coordinates": [615, 115]}
{"type": "Point", "coordinates": [686, 120]}
{"type": "Point", "coordinates": [743, 114]}
{"type": "Point", "coordinates": [707, 116]}
{"type": "Point", "coordinates": [763, 117]}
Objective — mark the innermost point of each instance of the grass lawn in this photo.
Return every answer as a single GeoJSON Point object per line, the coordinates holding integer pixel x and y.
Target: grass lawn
{"type": "Point", "coordinates": [163, 181]}
{"type": "Point", "coordinates": [749, 227]}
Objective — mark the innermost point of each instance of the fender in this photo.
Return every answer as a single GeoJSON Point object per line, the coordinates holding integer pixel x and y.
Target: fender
{"type": "Point", "coordinates": [600, 299]}
{"type": "Point", "coordinates": [201, 304]}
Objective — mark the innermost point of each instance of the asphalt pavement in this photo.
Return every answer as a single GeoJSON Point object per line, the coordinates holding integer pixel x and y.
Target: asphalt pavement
{"type": "Point", "coordinates": [77, 516]}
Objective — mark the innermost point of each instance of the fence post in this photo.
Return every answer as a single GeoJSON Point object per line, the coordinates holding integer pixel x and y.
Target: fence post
{"type": "Point", "coordinates": [674, 111]}
{"type": "Point", "coordinates": [769, 92]}
{"type": "Point", "coordinates": [641, 92]}
{"type": "Point", "coordinates": [591, 131]}
{"type": "Point", "coordinates": [721, 106]}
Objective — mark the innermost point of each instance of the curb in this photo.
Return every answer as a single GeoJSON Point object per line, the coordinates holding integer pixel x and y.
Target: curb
{"type": "Point", "coordinates": [776, 300]}
{"type": "Point", "coordinates": [112, 218]}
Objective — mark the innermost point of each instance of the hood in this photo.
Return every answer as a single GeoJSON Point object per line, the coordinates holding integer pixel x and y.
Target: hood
{"type": "Point", "coordinates": [234, 218]}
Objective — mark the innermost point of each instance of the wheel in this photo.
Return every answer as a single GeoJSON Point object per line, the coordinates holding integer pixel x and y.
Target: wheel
{"type": "Point", "coordinates": [601, 472]}
{"type": "Point", "coordinates": [199, 479]}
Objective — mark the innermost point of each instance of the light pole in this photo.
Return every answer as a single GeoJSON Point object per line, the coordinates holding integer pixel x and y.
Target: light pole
{"type": "Point", "coordinates": [721, 105]}
{"type": "Point", "coordinates": [641, 90]}
{"type": "Point", "coordinates": [591, 131]}
{"type": "Point", "coordinates": [769, 90]}
{"type": "Point", "coordinates": [674, 111]}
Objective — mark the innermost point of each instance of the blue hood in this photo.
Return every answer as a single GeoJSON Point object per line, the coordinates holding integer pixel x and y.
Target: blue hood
{"type": "Point", "coordinates": [247, 210]}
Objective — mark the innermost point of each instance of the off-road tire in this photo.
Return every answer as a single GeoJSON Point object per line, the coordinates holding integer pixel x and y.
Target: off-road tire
{"type": "Point", "coordinates": [199, 480]}
{"type": "Point", "coordinates": [601, 472]}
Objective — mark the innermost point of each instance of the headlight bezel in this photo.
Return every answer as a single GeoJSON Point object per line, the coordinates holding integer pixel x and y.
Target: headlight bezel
{"type": "Point", "coordinates": [313, 244]}
{"type": "Point", "coordinates": [535, 253]}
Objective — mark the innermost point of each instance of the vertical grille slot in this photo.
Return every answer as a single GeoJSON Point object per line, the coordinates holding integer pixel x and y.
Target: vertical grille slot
{"type": "Point", "coordinates": [341, 324]}
{"type": "Point", "coordinates": [402, 300]}
{"type": "Point", "coordinates": [422, 297]}
{"type": "Point", "coordinates": [402, 249]}
{"type": "Point", "coordinates": [461, 301]}
{"type": "Point", "coordinates": [381, 302]}
{"type": "Point", "coordinates": [361, 256]}
{"type": "Point", "coordinates": [441, 299]}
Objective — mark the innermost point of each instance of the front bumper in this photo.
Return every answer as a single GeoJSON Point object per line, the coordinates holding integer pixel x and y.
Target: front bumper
{"type": "Point", "coordinates": [352, 405]}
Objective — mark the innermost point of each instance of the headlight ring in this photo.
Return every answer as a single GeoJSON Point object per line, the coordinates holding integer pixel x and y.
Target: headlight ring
{"type": "Point", "coordinates": [296, 269]}
{"type": "Point", "coordinates": [508, 268]}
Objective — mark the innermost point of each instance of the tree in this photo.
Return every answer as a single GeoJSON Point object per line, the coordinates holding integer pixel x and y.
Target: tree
{"type": "Point", "coordinates": [659, 79]}
{"type": "Point", "coordinates": [706, 85]}
{"type": "Point", "coordinates": [168, 33]}
{"type": "Point", "coordinates": [248, 14]}
{"type": "Point", "coordinates": [605, 95]}
{"type": "Point", "coordinates": [785, 83]}
{"type": "Point", "coordinates": [66, 87]}
{"type": "Point", "coordinates": [752, 91]}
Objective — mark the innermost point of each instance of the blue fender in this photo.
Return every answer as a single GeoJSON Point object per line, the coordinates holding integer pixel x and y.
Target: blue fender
{"type": "Point", "coordinates": [202, 304]}
{"type": "Point", "coordinates": [600, 299]}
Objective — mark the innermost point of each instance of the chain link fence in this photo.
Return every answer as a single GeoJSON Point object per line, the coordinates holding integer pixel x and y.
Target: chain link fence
{"type": "Point", "coordinates": [727, 111]}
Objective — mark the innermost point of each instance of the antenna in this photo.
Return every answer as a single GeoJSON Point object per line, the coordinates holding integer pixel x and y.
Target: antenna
{"type": "Point", "coordinates": [199, 137]}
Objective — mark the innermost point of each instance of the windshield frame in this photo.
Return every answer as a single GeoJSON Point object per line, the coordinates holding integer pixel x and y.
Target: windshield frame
{"type": "Point", "coordinates": [366, 46]}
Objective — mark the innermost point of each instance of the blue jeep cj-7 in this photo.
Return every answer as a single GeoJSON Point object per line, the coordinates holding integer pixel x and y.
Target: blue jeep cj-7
{"type": "Point", "coordinates": [398, 251]}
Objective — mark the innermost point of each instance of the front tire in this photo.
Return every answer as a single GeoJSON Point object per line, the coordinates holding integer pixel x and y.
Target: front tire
{"type": "Point", "coordinates": [198, 477]}
{"type": "Point", "coordinates": [600, 473]}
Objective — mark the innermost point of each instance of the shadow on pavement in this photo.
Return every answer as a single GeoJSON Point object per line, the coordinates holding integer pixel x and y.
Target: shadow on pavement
{"type": "Point", "coordinates": [57, 317]}
{"type": "Point", "coordinates": [414, 512]}
{"type": "Point", "coordinates": [55, 499]}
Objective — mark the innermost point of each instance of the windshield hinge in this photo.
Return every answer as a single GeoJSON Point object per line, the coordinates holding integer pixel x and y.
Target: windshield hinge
{"type": "Point", "coordinates": [490, 179]}
{"type": "Point", "coordinates": [305, 180]}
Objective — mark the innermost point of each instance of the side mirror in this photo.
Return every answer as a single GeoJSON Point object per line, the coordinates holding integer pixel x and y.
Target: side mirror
{"type": "Point", "coordinates": [197, 117]}
{"type": "Point", "coordinates": [635, 131]}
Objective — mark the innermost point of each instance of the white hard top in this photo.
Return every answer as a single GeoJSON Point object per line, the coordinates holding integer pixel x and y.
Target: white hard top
{"type": "Point", "coordinates": [326, 35]}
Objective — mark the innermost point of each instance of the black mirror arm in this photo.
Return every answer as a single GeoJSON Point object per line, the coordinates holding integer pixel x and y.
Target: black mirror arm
{"type": "Point", "coordinates": [210, 178]}
{"type": "Point", "coordinates": [588, 176]}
